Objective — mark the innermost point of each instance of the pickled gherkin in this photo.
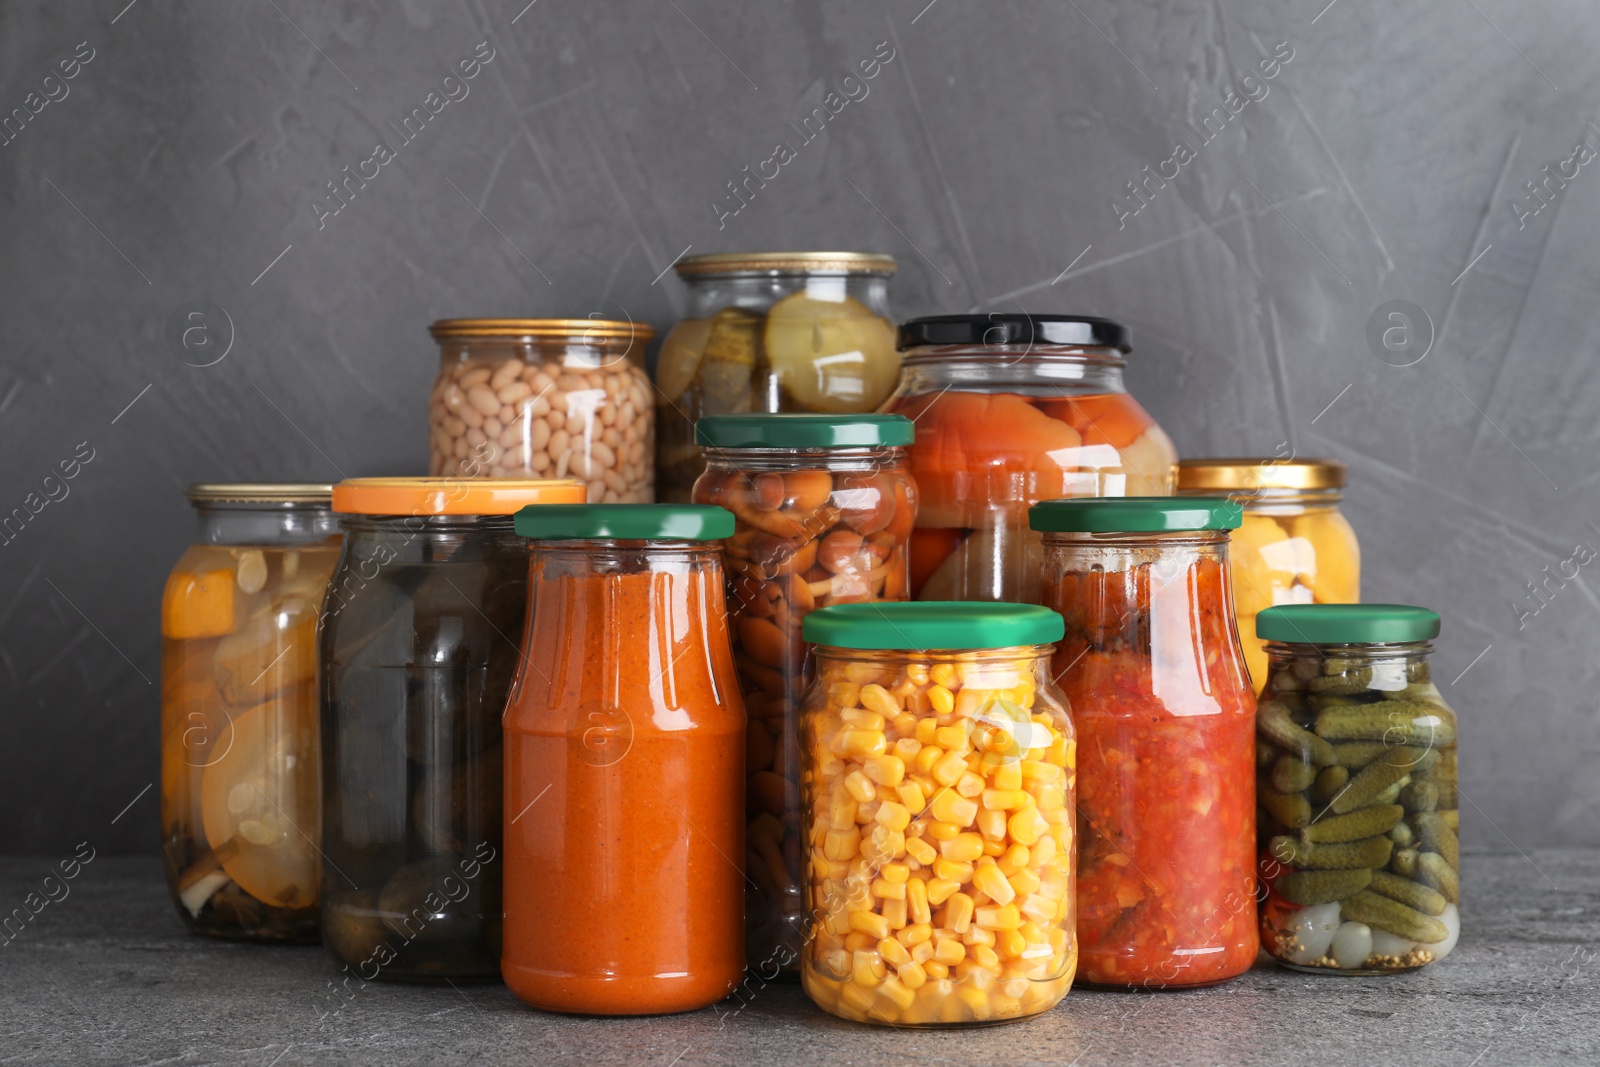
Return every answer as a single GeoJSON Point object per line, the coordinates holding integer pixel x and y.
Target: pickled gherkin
{"type": "Point", "coordinates": [1359, 836]}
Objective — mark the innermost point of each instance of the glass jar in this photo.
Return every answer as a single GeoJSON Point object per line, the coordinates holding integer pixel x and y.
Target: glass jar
{"type": "Point", "coordinates": [1356, 757]}
{"type": "Point", "coordinates": [418, 650]}
{"type": "Point", "coordinates": [239, 810]}
{"type": "Point", "coordinates": [545, 398]}
{"type": "Point", "coordinates": [771, 331]}
{"type": "Point", "coordinates": [824, 509]}
{"type": "Point", "coordinates": [1295, 546]}
{"type": "Point", "coordinates": [937, 780]}
{"type": "Point", "coordinates": [1012, 410]}
{"type": "Point", "coordinates": [1165, 712]}
{"type": "Point", "coordinates": [624, 767]}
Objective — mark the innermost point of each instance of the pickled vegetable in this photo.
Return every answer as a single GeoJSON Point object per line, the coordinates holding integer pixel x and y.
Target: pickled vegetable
{"type": "Point", "coordinates": [831, 355]}
{"type": "Point", "coordinates": [939, 796]}
{"type": "Point", "coordinates": [239, 788]}
{"type": "Point", "coordinates": [1378, 846]}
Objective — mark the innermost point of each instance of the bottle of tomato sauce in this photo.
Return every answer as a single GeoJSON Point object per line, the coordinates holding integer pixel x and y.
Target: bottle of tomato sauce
{"type": "Point", "coordinates": [624, 774]}
{"type": "Point", "coordinates": [1163, 705]}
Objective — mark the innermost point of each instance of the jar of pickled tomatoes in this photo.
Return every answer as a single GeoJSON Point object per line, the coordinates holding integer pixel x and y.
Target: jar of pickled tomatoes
{"type": "Point", "coordinates": [239, 801]}
{"type": "Point", "coordinates": [624, 783]}
{"type": "Point", "coordinates": [823, 508]}
{"type": "Point", "coordinates": [937, 782]}
{"type": "Point", "coordinates": [1010, 410]}
{"type": "Point", "coordinates": [1294, 547]}
{"type": "Point", "coordinates": [1165, 713]}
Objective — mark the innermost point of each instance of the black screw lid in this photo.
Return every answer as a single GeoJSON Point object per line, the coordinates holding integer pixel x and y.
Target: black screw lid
{"type": "Point", "coordinates": [1013, 329]}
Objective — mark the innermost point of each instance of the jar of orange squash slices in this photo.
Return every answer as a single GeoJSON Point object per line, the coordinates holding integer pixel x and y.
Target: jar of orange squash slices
{"type": "Point", "coordinates": [938, 767]}
{"type": "Point", "coordinates": [1012, 410]}
{"type": "Point", "coordinates": [1295, 546]}
{"type": "Point", "coordinates": [239, 801]}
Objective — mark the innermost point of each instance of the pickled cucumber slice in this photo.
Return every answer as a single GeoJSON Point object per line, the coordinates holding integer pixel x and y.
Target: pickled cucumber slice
{"type": "Point", "coordinates": [729, 360]}
{"type": "Point", "coordinates": [1435, 872]}
{"type": "Point", "coordinates": [1273, 722]}
{"type": "Point", "coordinates": [1369, 853]}
{"type": "Point", "coordinates": [1398, 722]}
{"type": "Point", "coordinates": [1380, 777]}
{"type": "Point", "coordinates": [831, 355]}
{"type": "Point", "coordinates": [680, 357]}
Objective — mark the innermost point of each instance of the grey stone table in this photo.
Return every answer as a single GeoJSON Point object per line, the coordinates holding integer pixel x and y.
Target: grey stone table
{"type": "Point", "coordinates": [108, 975]}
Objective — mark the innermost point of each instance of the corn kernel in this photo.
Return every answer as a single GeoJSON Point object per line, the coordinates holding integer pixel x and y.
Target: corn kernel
{"type": "Point", "coordinates": [941, 831]}
{"type": "Point", "coordinates": [873, 925]}
{"type": "Point", "coordinates": [949, 870]}
{"type": "Point", "coordinates": [951, 807]}
{"type": "Point", "coordinates": [857, 997]}
{"type": "Point", "coordinates": [941, 700]}
{"type": "Point", "coordinates": [904, 724]}
{"type": "Point", "coordinates": [897, 992]}
{"type": "Point", "coordinates": [893, 952]}
{"type": "Point", "coordinates": [876, 698]}
{"type": "Point", "coordinates": [912, 797]}
{"type": "Point", "coordinates": [969, 785]}
{"type": "Point", "coordinates": [867, 969]}
{"type": "Point", "coordinates": [952, 737]}
{"type": "Point", "coordinates": [1027, 826]}
{"type": "Point", "coordinates": [917, 909]}
{"type": "Point", "coordinates": [966, 846]}
{"type": "Point", "coordinates": [1004, 799]}
{"type": "Point", "coordinates": [896, 872]}
{"type": "Point", "coordinates": [1024, 881]}
{"type": "Point", "coordinates": [860, 787]}
{"type": "Point", "coordinates": [935, 970]}
{"type": "Point", "coordinates": [993, 849]}
{"type": "Point", "coordinates": [925, 730]}
{"type": "Point", "coordinates": [841, 812]}
{"type": "Point", "coordinates": [905, 749]}
{"type": "Point", "coordinates": [894, 913]}
{"type": "Point", "coordinates": [993, 882]}
{"type": "Point", "coordinates": [1004, 917]}
{"type": "Point", "coordinates": [1010, 944]}
{"type": "Point", "coordinates": [922, 951]}
{"type": "Point", "coordinates": [1014, 860]}
{"type": "Point", "coordinates": [958, 913]}
{"type": "Point", "coordinates": [940, 890]}
{"type": "Point", "coordinates": [1044, 851]}
{"type": "Point", "coordinates": [944, 675]}
{"type": "Point", "coordinates": [1050, 796]}
{"type": "Point", "coordinates": [949, 952]}
{"type": "Point", "coordinates": [976, 935]}
{"type": "Point", "coordinates": [887, 890]}
{"type": "Point", "coordinates": [892, 815]}
{"type": "Point", "coordinates": [912, 976]}
{"type": "Point", "coordinates": [856, 941]}
{"type": "Point", "coordinates": [862, 719]}
{"type": "Point", "coordinates": [929, 757]}
{"type": "Point", "coordinates": [915, 934]}
{"type": "Point", "coordinates": [1008, 775]}
{"type": "Point", "coordinates": [992, 825]}
{"type": "Point", "coordinates": [948, 768]}
{"type": "Point", "coordinates": [921, 851]}
{"type": "Point", "coordinates": [863, 743]}
{"type": "Point", "coordinates": [842, 844]}
{"type": "Point", "coordinates": [985, 957]}
{"type": "Point", "coordinates": [1038, 771]}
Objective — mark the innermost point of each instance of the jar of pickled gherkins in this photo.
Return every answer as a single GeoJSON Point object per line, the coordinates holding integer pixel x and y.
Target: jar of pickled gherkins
{"type": "Point", "coordinates": [1295, 546]}
{"type": "Point", "coordinates": [1356, 763]}
{"type": "Point", "coordinates": [937, 780]}
{"type": "Point", "coordinates": [545, 398]}
{"type": "Point", "coordinates": [1012, 410]}
{"type": "Point", "coordinates": [418, 647]}
{"type": "Point", "coordinates": [771, 331]}
{"type": "Point", "coordinates": [239, 803]}
{"type": "Point", "coordinates": [824, 509]}
{"type": "Point", "coordinates": [624, 798]}
{"type": "Point", "coordinates": [1165, 713]}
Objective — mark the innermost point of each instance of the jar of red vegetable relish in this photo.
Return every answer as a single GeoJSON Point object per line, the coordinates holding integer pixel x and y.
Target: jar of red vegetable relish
{"type": "Point", "coordinates": [1012, 410]}
{"type": "Point", "coordinates": [1164, 709]}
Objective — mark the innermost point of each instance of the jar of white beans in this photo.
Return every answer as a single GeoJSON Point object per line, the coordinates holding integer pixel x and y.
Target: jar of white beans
{"type": "Point", "coordinates": [545, 398]}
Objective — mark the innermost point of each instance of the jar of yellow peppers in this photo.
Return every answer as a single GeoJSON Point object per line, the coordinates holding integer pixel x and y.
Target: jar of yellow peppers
{"type": "Point", "coordinates": [937, 783]}
{"type": "Point", "coordinates": [1295, 546]}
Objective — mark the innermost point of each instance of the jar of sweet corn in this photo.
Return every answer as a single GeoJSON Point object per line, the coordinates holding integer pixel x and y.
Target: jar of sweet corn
{"type": "Point", "coordinates": [418, 649]}
{"type": "Point", "coordinates": [1356, 764]}
{"type": "Point", "coordinates": [1294, 547]}
{"type": "Point", "coordinates": [239, 803]}
{"type": "Point", "coordinates": [823, 507]}
{"type": "Point", "coordinates": [1166, 715]}
{"type": "Point", "coordinates": [624, 768]}
{"type": "Point", "coordinates": [937, 782]}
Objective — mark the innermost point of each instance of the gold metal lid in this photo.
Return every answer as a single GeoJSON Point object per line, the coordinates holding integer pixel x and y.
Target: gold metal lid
{"type": "Point", "coordinates": [786, 263]}
{"type": "Point", "coordinates": [261, 493]}
{"type": "Point", "coordinates": [579, 329]}
{"type": "Point", "coordinates": [1258, 472]}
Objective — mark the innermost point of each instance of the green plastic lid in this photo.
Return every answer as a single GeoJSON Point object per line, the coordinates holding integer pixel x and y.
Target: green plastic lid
{"type": "Point", "coordinates": [803, 431]}
{"type": "Point", "coordinates": [1135, 514]}
{"type": "Point", "coordinates": [1347, 624]}
{"type": "Point", "coordinates": [624, 522]}
{"type": "Point", "coordinates": [932, 624]}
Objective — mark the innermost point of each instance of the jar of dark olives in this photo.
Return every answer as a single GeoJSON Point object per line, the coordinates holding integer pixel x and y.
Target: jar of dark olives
{"type": "Point", "coordinates": [418, 648]}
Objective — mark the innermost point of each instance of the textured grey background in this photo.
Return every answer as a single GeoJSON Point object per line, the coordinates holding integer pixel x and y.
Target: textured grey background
{"type": "Point", "coordinates": [1383, 160]}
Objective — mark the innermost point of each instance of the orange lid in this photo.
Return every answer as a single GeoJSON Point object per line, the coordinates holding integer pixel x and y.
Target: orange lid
{"type": "Point", "coordinates": [451, 496]}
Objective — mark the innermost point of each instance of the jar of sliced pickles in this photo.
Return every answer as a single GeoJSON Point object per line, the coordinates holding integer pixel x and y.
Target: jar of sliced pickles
{"type": "Point", "coordinates": [1356, 763]}
{"type": "Point", "coordinates": [239, 803]}
{"type": "Point", "coordinates": [1012, 410]}
{"type": "Point", "coordinates": [937, 783]}
{"type": "Point", "coordinates": [418, 647]}
{"type": "Point", "coordinates": [824, 509]}
{"type": "Point", "coordinates": [545, 398]}
{"type": "Point", "coordinates": [1295, 546]}
{"type": "Point", "coordinates": [771, 331]}
{"type": "Point", "coordinates": [1166, 716]}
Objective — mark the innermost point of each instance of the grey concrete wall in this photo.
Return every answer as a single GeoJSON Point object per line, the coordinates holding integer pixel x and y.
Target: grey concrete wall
{"type": "Point", "coordinates": [1388, 155]}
